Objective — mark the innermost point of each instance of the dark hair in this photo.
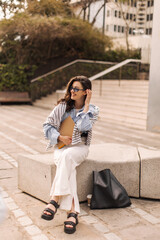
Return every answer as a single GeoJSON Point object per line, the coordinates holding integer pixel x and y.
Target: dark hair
{"type": "Point", "coordinates": [86, 83]}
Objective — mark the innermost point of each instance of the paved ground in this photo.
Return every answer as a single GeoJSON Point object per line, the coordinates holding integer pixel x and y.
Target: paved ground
{"type": "Point", "coordinates": [21, 132]}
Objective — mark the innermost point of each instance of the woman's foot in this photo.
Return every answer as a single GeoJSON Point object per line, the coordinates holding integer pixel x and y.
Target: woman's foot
{"type": "Point", "coordinates": [50, 210]}
{"type": "Point", "coordinates": [70, 224]}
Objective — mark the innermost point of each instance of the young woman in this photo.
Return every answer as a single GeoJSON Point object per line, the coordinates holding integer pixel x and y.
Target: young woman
{"type": "Point", "coordinates": [76, 103]}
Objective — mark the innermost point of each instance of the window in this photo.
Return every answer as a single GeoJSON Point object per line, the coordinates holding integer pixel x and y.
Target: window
{"type": "Point", "coordinates": [119, 14]}
{"type": "Point", "coordinates": [130, 30]}
{"type": "Point", "coordinates": [150, 17]}
{"type": "Point", "coordinates": [150, 31]}
{"type": "Point", "coordinates": [127, 16]}
{"type": "Point", "coordinates": [115, 28]}
{"type": "Point", "coordinates": [152, 2]}
{"type": "Point", "coordinates": [134, 17]}
{"type": "Point", "coordinates": [122, 29]}
{"type": "Point", "coordinates": [115, 13]}
{"type": "Point", "coordinates": [131, 16]}
{"type": "Point", "coordinates": [107, 28]}
{"type": "Point", "coordinates": [133, 31]}
{"type": "Point", "coordinates": [147, 17]}
{"type": "Point", "coordinates": [149, 4]}
{"type": "Point", "coordinates": [119, 28]}
{"type": "Point", "coordinates": [132, 3]}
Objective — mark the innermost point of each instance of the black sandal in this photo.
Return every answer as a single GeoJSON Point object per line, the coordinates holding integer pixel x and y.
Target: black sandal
{"type": "Point", "coordinates": [73, 228]}
{"type": "Point", "coordinates": [52, 213]}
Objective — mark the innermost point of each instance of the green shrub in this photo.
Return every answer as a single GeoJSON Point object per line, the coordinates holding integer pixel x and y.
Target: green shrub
{"type": "Point", "coordinates": [15, 77]}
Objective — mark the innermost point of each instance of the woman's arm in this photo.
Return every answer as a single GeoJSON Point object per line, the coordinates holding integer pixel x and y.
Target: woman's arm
{"type": "Point", "coordinates": [86, 120]}
{"type": "Point", "coordinates": [89, 114]}
{"type": "Point", "coordinates": [50, 133]}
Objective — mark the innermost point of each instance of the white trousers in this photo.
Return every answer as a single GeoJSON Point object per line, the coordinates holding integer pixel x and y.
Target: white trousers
{"type": "Point", "coordinates": [65, 183]}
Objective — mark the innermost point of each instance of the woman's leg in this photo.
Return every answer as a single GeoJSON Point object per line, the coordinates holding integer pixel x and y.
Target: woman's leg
{"type": "Point", "coordinates": [72, 219]}
{"type": "Point", "coordinates": [51, 206]}
{"type": "Point", "coordinates": [65, 184]}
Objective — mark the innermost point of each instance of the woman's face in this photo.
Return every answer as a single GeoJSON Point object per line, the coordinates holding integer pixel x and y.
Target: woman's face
{"type": "Point", "coordinates": [77, 91]}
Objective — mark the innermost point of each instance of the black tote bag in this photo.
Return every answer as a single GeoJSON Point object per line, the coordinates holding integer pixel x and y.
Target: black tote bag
{"type": "Point", "coordinates": [107, 191]}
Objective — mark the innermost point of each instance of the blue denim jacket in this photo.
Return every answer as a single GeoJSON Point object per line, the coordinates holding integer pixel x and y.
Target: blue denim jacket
{"type": "Point", "coordinates": [81, 119]}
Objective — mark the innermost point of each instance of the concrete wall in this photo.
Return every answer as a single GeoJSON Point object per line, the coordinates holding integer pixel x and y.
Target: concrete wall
{"type": "Point", "coordinates": [153, 118]}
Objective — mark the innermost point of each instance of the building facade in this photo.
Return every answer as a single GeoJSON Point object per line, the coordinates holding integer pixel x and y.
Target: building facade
{"type": "Point", "coordinates": [115, 19]}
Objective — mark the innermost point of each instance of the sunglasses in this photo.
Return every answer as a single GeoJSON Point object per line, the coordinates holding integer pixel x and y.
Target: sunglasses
{"type": "Point", "coordinates": [76, 89]}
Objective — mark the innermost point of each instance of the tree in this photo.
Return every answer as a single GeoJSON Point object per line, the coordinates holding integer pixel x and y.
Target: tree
{"type": "Point", "coordinates": [85, 5]}
{"type": "Point", "coordinates": [49, 8]}
{"type": "Point", "coordinates": [36, 36]}
{"type": "Point", "coordinates": [8, 7]}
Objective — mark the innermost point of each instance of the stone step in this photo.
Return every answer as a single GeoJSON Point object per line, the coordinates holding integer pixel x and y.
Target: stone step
{"type": "Point", "coordinates": [120, 113]}
{"type": "Point", "coordinates": [126, 104]}
{"type": "Point", "coordinates": [125, 120]}
{"type": "Point", "coordinates": [142, 108]}
{"type": "Point", "coordinates": [117, 99]}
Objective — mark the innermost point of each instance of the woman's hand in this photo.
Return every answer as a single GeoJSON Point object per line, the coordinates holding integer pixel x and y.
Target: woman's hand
{"type": "Point", "coordinates": [89, 95]}
{"type": "Point", "coordinates": [87, 100]}
{"type": "Point", "coordinates": [65, 139]}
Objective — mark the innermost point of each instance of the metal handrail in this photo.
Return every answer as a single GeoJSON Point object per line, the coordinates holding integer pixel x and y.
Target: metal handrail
{"type": "Point", "coordinates": [108, 70]}
{"type": "Point", "coordinates": [67, 65]}
{"type": "Point", "coordinates": [111, 69]}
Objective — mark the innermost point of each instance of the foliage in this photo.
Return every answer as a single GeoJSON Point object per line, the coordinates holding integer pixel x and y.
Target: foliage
{"type": "Point", "coordinates": [11, 6]}
{"type": "Point", "coordinates": [49, 8]}
{"type": "Point", "coordinates": [120, 54]}
{"type": "Point", "coordinates": [35, 39]}
{"type": "Point", "coordinates": [15, 77]}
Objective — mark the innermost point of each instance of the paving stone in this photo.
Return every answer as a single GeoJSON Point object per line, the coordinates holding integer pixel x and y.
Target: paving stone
{"type": "Point", "coordinates": [89, 219]}
{"type": "Point", "coordinates": [18, 213]}
{"type": "Point", "coordinates": [139, 211]}
{"type": "Point", "coordinates": [5, 165]}
{"type": "Point", "coordinates": [10, 230]}
{"type": "Point", "coordinates": [83, 231]}
{"type": "Point", "coordinates": [82, 212]}
{"type": "Point", "coordinates": [101, 227]}
{"type": "Point", "coordinates": [25, 221]}
{"type": "Point", "coordinates": [141, 231]}
{"type": "Point", "coordinates": [41, 237]}
{"type": "Point", "coordinates": [111, 236]}
{"type": "Point", "coordinates": [117, 218]}
{"type": "Point", "coordinates": [4, 194]}
{"type": "Point", "coordinates": [33, 230]}
{"type": "Point", "coordinates": [12, 206]}
{"type": "Point", "coordinates": [8, 200]}
{"type": "Point", "coordinates": [151, 219]}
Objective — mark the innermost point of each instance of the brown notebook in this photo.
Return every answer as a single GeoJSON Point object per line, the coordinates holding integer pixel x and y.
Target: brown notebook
{"type": "Point", "coordinates": [66, 129]}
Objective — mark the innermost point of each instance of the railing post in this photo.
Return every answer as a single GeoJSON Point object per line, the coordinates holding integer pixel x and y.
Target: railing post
{"type": "Point", "coordinates": [100, 88]}
{"type": "Point", "coordinates": [120, 75]}
{"type": "Point", "coordinates": [138, 68]}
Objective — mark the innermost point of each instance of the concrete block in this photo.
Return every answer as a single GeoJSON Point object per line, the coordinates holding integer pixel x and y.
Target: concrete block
{"type": "Point", "coordinates": [150, 174]}
{"type": "Point", "coordinates": [36, 172]}
{"type": "Point", "coordinates": [123, 160]}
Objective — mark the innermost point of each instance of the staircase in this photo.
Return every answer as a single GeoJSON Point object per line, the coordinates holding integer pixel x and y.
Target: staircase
{"type": "Point", "coordinates": [125, 104]}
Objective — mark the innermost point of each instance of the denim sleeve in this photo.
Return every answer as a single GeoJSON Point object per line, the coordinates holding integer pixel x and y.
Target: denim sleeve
{"type": "Point", "coordinates": [51, 133]}
{"type": "Point", "coordinates": [85, 121]}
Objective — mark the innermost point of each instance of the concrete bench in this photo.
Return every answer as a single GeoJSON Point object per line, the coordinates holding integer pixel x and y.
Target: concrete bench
{"type": "Point", "coordinates": [36, 172]}
{"type": "Point", "coordinates": [8, 97]}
